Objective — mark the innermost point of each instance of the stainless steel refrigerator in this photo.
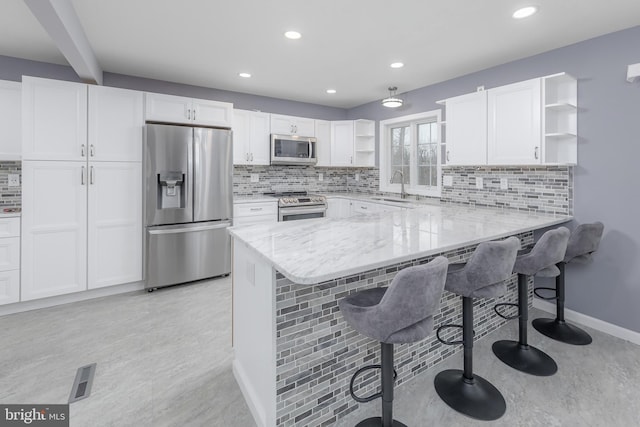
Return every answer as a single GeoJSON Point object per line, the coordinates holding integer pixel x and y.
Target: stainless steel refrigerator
{"type": "Point", "coordinates": [188, 203]}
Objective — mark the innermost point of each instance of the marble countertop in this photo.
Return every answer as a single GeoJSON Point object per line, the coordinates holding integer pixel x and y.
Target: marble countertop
{"type": "Point", "coordinates": [316, 250]}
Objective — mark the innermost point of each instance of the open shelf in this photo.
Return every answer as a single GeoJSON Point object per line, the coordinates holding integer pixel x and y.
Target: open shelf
{"type": "Point", "coordinates": [560, 106]}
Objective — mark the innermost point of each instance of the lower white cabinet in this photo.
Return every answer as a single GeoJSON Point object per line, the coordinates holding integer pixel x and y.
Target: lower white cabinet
{"type": "Point", "coordinates": [338, 207]}
{"type": "Point", "coordinates": [9, 260]}
{"type": "Point", "coordinates": [81, 226]}
{"type": "Point", "coordinates": [359, 207]}
{"type": "Point", "coordinates": [255, 212]}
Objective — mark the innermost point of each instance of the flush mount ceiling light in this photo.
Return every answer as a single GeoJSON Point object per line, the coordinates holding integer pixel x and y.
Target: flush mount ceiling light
{"type": "Point", "coordinates": [293, 35]}
{"type": "Point", "coordinates": [524, 12]}
{"type": "Point", "coordinates": [331, 91]}
{"type": "Point", "coordinates": [245, 75]}
{"type": "Point", "coordinates": [397, 65]}
{"type": "Point", "coordinates": [392, 101]}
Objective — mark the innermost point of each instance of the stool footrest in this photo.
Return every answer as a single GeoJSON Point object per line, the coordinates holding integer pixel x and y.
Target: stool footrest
{"type": "Point", "coordinates": [535, 291]}
{"type": "Point", "coordinates": [373, 396]}
{"type": "Point", "coordinates": [450, 325]}
{"type": "Point", "coordinates": [505, 304]}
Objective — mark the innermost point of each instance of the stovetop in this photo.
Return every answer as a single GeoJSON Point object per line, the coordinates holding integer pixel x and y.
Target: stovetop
{"type": "Point", "coordinates": [298, 198]}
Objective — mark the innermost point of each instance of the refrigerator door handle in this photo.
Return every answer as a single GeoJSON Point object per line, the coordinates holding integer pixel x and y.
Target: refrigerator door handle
{"type": "Point", "coordinates": [178, 230]}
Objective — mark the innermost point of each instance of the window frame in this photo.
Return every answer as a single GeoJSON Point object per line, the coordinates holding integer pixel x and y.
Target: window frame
{"type": "Point", "coordinates": [433, 116]}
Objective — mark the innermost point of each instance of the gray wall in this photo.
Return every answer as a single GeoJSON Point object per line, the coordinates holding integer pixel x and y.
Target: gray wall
{"type": "Point", "coordinates": [608, 153]}
{"type": "Point", "coordinates": [14, 68]}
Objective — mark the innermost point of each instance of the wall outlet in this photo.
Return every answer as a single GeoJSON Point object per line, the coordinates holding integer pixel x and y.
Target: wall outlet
{"type": "Point", "coordinates": [504, 184]}
{"type": "Point", "coordinates": [255, 177]}
{"type": "Point", "coordinates": [357, 177]}
{"type": "Point", "coordinates": [479, 183]}
{"type": "Point", "coordinates": [14, 180]}
{"type": "Point", "coordinates": [320, 177]}
{"type": "Point", "coordinates": [447, 181]}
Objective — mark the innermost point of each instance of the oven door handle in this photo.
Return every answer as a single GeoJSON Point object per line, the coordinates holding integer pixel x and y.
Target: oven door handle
{"type": "Point", "coordinates": [303, 210]}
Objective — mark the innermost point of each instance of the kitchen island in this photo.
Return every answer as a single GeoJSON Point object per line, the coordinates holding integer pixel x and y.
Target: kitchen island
{"type": "Point", "coordinates": [293, 352]}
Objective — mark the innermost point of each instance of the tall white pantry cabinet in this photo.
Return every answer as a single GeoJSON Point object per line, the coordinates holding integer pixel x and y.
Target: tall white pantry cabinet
{"type": "Point", "coordinates": [82, 184]}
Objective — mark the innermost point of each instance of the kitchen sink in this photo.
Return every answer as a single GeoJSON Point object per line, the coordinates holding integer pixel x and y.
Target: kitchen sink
{"type": "Point", "coordinates": [389, 199]}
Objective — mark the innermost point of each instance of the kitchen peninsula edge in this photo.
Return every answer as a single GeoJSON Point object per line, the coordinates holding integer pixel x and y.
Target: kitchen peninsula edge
{"type": "Point", "coordinates": [293, 352]}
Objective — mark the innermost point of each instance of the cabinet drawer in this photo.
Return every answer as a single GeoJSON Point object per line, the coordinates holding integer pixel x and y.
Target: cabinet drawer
{"type": "Point", "coordinates": [10, 253]}
{"type": "Point", "coordinates": [257, 219]}
{"type": "Point", "coordinates": [9, 227]}
{"type": "Point", "coordinates": [251, 209]}
{"type": "Point", "coordinates": [9, 286]}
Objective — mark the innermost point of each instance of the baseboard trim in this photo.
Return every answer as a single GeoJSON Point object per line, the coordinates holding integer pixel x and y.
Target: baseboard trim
{"type": "Point", "coordinates": [592, 322]}
{"type": "Point", "coordinates": [249, 394]}
{"type": "Point", "coordinates": [20, 307]}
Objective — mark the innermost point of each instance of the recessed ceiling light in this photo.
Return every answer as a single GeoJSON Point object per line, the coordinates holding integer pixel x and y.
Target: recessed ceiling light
{"type": "Point", "coordinates": [293, 35]}
{"type": "Point", "coordinates": [331, 91]}
{"type": "Point", "coordinates": [525, 12]}
{"type": "Point", "coordinates": [397, 65]}
{"type": "Point", "coordinates": [245, 75]}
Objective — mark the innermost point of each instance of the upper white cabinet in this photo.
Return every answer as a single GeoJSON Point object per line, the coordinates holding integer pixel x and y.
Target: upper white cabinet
{"type": "Point", "coordinates": [514, 131]}
{"type": "Point", "coordinates": [251, 139]}
{"type": "Point", "coordinates": [290, 125]}
{"type": "Point", "coordinates": [364, 143]}
{"type": "Point", "coordinates": [323, 142]}
{"type": "Point", "coordinates": [353, 143]}
{"type": "Point", "coordinates": [116, 123]}
{"type": "Point", "coordinates": [342, 143]}
{"type": "Point", "coordinates": [54, 120]}
{"type": "Point", "coordinates": [467, 129]}
{"type": "Point", "coordinates": [178, 109]}
{"type": "Point", "coordinates": [10, 120]}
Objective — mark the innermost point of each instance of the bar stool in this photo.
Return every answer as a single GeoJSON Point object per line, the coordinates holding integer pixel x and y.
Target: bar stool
{"type": "Point", "coordinates": [482, 276]}
{"type": "Point", "coordinates": [583, 242]}
{"type": "Point", "coordinates": [540, 261]}
{"type": "Point", "coordinates": [400, 314]}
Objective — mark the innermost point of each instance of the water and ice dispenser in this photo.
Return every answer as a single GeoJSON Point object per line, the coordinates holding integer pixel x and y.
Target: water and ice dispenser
{"type": "Point", "coordinates": [171, 193]}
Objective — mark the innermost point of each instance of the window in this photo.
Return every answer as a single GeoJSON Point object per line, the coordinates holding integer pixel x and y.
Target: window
{"type": "Point", "coordinates": [410, 148]}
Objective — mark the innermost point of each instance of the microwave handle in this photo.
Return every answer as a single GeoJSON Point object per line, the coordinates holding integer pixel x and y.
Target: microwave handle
{"type": "Point", "coordinates": [310, 150]}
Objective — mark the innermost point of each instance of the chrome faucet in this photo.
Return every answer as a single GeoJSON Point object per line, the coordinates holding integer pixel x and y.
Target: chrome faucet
{"type": "Point", "coordinates": [403, 195]}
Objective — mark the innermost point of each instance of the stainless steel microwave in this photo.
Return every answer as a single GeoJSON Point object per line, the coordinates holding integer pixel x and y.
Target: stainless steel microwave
{"type": "Point", "coordinates": [293, 150]}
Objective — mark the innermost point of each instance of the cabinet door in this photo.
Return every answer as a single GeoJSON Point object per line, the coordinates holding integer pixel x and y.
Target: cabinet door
{"type": "Point", "coordinates": [116, 121]}
{"type": "Point", "coordinates": [467, 129]}
{"type": "Point", "coordinates": [9, 286]}
{"type": "Point", "coordinates": [323, 142]}
{"type": "Point", "coordinates": [514, 133]}
{"type": "Point", "coordinates": [115, 224]}
{"type": "Point", "coordinates": [212, 113]}
{"type": "Point", "coordinates": [10, 120]}
{"type": "Point", "coordinates": [167, 108]}
{"type": "Point", "coordinates": [260, 139]}
{"type": "Point", "coordinates": [54, 228]}
{"type": "Point", "coordinates": [282, 125]}
{"type": "Point", "coordinates": [342, 143]}
{"type": "Point", "coordinates": [54, 120]}
{"type": "Point", "coordinates": [363, 208]}
{"type": "Point", "coordinates": [304, 126]}
{"type": "Point", "coordinates": [241, 137]}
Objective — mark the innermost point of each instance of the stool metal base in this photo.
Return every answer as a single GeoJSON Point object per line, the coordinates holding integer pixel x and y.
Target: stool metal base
{"type": "Point", "coordinates": [476, 398]}
{"type": "Point", "coordinates": [562, 331]}
{"type": "Point", "coordinates": [526, 359]}
{"type": "Point", "coordinates": [377, 422]}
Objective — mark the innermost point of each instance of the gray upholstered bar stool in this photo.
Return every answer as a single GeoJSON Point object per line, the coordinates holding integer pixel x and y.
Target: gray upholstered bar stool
{"type": "Point", "coordinates": [540, 261]}
{"type": "Point", "coordinates": [583, 242]}
{"type": "Point", "coordinates": [482, 276]}
{"type": "Point", "coordinates": [400, 314]}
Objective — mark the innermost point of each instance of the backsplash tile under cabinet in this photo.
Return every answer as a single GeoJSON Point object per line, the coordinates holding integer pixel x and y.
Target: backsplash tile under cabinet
{"type": "Point", "coordinates": [9, 196]}
{"type": "Point", "coordinates": [545, 189]}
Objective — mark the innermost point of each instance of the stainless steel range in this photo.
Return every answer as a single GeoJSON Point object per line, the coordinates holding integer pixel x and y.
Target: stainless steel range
{"type": "Point", "coordinates": [300, 205]}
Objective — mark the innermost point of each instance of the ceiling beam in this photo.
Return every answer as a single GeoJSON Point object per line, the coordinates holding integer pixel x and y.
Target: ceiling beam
{"type": "Point", "coordinates": [59, 19]}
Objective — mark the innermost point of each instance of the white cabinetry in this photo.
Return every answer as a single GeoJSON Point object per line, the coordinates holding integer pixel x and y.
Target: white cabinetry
{"type": "Point", "coordinates": [467, 129]}
{"type": "Point", "coordinates": [342, 143]}
{"type": "Point", "coordinates": [338, 207]}
{"type": "Point", "coordinates": [9, 260]}
{"type": "Point", "coordinates": [359, 207]}
{"type": "Point", "coordinates": [178, 109]}
{"type": "Point", "coordinates": [323, 142]}
{"type": "Point", "coordinates": [290, 125]}
{"type": "Point", "coordinates": [364, 143]}
{"type": "Point", "coordinates": [82, 216]}
{"type": "Point", "coordinates": [251, 138]}
{"type": "Point", "coordinates": [560, 119]}
{"type": "Point", "coordinates": [10, 121]}
{"type": "Point", "coordinates": [255, 212]}
{"type": "Point", "coordinates": [514, 131]}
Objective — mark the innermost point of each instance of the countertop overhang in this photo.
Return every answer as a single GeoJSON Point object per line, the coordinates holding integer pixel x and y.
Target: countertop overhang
{"type": "Point", "coordinates": [316, 250]}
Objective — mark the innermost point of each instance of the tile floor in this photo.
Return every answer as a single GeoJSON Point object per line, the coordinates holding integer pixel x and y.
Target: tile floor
{"type": "Point", "coordinates": [164, 359]}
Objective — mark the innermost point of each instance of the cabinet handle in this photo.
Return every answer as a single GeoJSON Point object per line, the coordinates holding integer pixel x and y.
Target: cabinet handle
{"type": "Point", "coordinates": [363, 207]}
{"type": "Point", "coordinates": [91, 175]}
{"type": "Point", "coordinates": [82, 175]}
{"type": "Point", "coordinates": [252, 157]}
{"type": "Point", "coordinates": [447, 155]}
{"type": "Point", "coordinates": [246, 156]}
{"type": "Point", "coordinates": [82, 153]}
{"type": "Point", "coordinates": [189, 113]}
{"type": "Point", "coordinates": [194, 114]}
{"type": "Point", "coordinates": [255, 209]}
{"type": "Point", "coordinates": [92, 150]}
{"type": "Point", "coordinates": [535, 153]}
{"type": "Point", "coordinates": [351, 160]}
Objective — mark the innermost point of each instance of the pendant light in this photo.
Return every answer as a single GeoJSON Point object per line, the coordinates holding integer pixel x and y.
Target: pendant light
{"type": "Point", "coordinates": [392, 101]}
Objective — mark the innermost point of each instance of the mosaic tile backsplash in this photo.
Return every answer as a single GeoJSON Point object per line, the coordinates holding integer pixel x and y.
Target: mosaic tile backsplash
{"type": "Point", "coordinates": [547, 189]}
{"type": "Point", "coordinates": [9, 196]}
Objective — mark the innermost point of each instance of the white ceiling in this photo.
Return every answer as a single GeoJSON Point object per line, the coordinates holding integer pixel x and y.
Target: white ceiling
{"type": "Point", "coordinates": [346, 44]}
